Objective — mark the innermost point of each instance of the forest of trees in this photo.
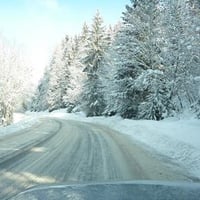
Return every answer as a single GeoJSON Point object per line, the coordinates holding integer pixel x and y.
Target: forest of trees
{"type": "Point", "coordinates": [145, 67]}
{"type": "Point", "coordinates": [14, 81]}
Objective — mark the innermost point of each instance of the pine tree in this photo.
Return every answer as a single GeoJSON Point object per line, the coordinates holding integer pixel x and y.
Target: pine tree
{"type": "Point", "coordinates": [108, 70]}
{"type": "Point", "coordinates": [60, 86]}
{"type": "Point", "coordinates": [92, 97]}
{"type": "Point", "coordinates": [75, 83]}
{"type": "Point", "coordinates": [180, 51]}
{"type": "Point", "coordinates": [39, 100]}
{"type": "Point", "coordinates": [136, 49]}
{"type": "Point", "coordinates": [58, 77]}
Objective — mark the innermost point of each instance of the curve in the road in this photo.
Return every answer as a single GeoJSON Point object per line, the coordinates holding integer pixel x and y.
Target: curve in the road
{"type": "Point", "coordinates": [77, 152]}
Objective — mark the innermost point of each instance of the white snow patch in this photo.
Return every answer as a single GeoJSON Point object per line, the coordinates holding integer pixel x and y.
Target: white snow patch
{"type": "Point", "coordinates": [20, 122]}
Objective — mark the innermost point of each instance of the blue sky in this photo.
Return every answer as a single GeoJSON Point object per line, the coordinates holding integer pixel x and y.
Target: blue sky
{"type": "Point", "coordinates": [38, 25]}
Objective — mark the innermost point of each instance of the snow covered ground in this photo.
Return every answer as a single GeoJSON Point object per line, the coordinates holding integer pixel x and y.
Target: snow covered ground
{"type": "Point", "coordinates": [178, 139]}
{"type": "Point", "coordinates": [21, 121]}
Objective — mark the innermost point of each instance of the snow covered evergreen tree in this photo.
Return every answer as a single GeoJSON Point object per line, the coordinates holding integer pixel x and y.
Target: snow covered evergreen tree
{"type": "Point", "coordinates": [180, 55]}
{"type": "Point", "coordinates": [39, 100]}
{"type": "Point", "coordinates": [136, 49]}
{"type": "Point", "coordinates": [58, 76]}
{"type": "Point", "coordinates": [92, 97]}
{"type": "Point", "coordinates": [62, 82]}
{"type": "Point", "coordinates": [76, 52]}
{"type": "Point", "coordinates": [76, 78]}
{"type": "Point", "coordinates": [108, 70]}
{"type": "Point", "coordinates": [120, 94]}
{"type": "Point", "coordinates": [54, 92]}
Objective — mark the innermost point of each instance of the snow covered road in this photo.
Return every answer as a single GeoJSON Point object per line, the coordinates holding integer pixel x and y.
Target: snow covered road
{"type": "Point", "coordinates": [65, 151]}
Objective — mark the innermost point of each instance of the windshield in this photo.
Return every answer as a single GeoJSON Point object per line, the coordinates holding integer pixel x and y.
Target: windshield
{"type": "Point", "coordinates": [98, 92]}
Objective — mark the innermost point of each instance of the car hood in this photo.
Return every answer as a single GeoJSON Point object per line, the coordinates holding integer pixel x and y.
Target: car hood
{"type": "Point", "coordinates": [137, 190]}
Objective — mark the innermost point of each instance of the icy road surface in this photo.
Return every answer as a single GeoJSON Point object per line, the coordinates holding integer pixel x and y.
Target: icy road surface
{"type": "Point", "coordinates": [63, 151]}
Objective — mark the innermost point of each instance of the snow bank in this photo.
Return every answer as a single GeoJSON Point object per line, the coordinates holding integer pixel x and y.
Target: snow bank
{"type": "Point", "coordinates": [25, 120]}
{"type": "Point", "coordinates": [21, 121]}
